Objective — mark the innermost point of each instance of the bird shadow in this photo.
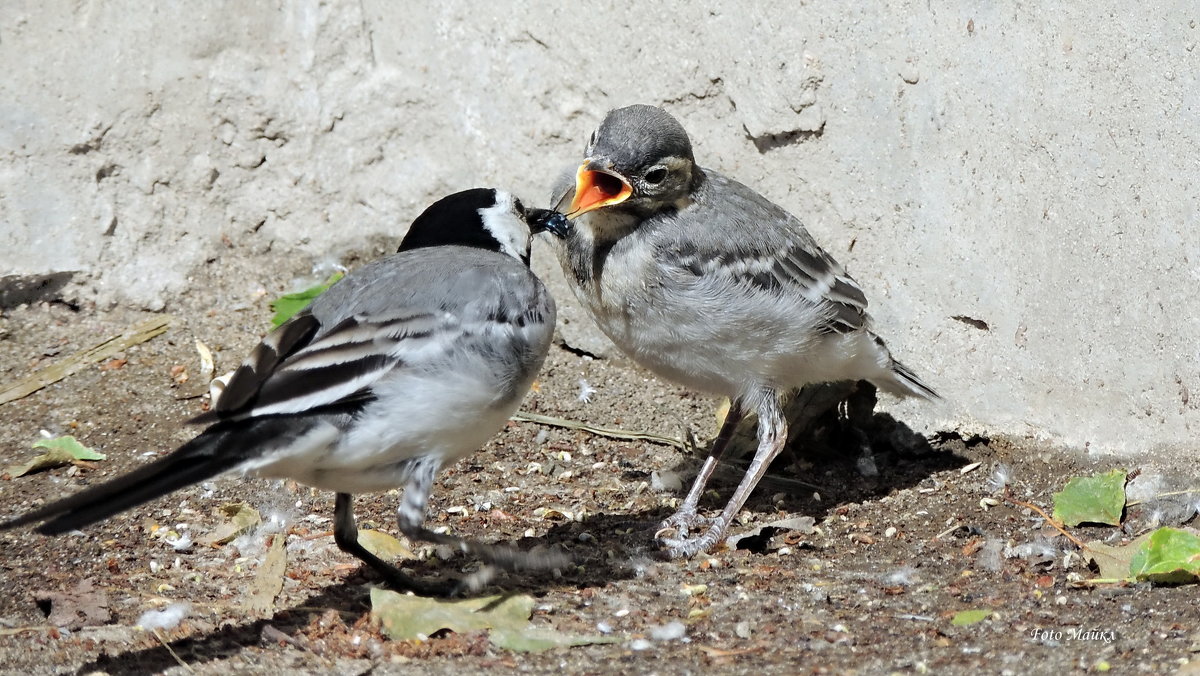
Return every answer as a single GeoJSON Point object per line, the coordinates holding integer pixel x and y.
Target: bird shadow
{"type": "Point", "coordinates": [351, 598]}
{"type": "Point", "coordinates": [840, 450]}
{"type": "Point", "coordinates": [830, 460]}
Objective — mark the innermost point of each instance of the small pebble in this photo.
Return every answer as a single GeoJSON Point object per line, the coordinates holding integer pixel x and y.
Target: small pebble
{"type": "Point", "coordinates": [742, 629]}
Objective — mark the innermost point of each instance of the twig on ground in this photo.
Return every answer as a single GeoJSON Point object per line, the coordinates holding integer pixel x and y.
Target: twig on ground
{"type": "Point", "coordinates": [1050, 520]}
{"type": "Point", "coordinates": [138, 333]}
{"type": "Point", "coordinates": [166, 645]}
{"type": "Point", "coordinates": [609, 432]}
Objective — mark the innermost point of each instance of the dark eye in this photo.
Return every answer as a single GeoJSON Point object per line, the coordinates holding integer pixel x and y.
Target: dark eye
{"type": "Point", "coordinates": [656, 175]}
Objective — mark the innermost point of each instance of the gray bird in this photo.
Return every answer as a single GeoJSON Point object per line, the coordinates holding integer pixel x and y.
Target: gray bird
{"type": "Point", "coordinates": [401, 368]}
{"type": "Point", "coordinates": [707, 283]}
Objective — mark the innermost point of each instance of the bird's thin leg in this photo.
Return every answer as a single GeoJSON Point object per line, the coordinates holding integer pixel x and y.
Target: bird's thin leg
{"type": "Point", "coordinates": [345, 534]}
{"type": "Point", "coordinates": [772, 435]}
{"type": "Point", "coordinates": [686, 517]}
{"type": "Point", "coordinates": [411, 519]}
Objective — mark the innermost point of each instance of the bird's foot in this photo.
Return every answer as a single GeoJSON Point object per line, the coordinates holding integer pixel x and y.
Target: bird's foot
{"type": "Point", "coordinates": [684, 547]}
{"type": "Point", "coordinates": [679, 524]}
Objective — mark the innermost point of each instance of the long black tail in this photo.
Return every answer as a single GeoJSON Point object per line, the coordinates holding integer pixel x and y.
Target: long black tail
{"type": "Point", "coordinates": [221, 447]}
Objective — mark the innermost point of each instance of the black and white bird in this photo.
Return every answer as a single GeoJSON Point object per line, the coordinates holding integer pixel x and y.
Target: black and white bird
{"type": "Point", "coordinates": [401, 368]}
{"type": "Point", "coordinates": [705, 282]}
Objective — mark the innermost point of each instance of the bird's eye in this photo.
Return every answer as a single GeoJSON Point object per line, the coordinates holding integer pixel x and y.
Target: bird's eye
{"type": "Point", "coordinates": [656, 175]}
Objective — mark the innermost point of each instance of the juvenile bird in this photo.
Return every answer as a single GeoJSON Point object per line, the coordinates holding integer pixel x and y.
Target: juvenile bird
{"type": "Point", "coordinates": [401, 368]}
{"type": "Point", "coordinates": [705, 282]}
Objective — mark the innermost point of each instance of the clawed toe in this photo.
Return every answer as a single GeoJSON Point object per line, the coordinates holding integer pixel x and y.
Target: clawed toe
{"type": "Point", "coordinates": [678, 525]}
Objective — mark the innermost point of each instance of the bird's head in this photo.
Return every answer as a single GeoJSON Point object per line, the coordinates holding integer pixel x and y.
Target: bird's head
{"type": "Point", "coordinates": [485, 218]}
{"type": "Point", "coordinates": [638, 161]}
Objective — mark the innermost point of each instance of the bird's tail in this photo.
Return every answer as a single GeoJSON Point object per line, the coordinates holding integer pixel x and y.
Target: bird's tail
{"type": "Point", "coordinates": [898, 379]}
{"type": "Point", "coordinates": [911, 383]}
{"type": "Point", "coordinates": [204, 457]}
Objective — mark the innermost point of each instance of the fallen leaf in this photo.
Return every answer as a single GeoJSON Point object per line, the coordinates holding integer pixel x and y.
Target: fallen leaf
{"type": "Point", "coordinates": [268, 582]}
{"type": "Point", "coordinates": [384, 546]}
{"type": "Point", "coordinates": [404, 618]}
{"type": "Point", "coordinates": [113, 364]}
{"type": "Point", "coordinates": [289, 304]}
{"type": "Point", "coordinates": [964, 618]}
{"type": "Point", "coordinates": [1168, 556]}
{"type": "Point", "coordinates": [1113, 562]}
{"type": "Point", "coordinates": [536, 639]}
{"type": "Point", "coordinates": [83, 606]}
{"type": "Point", "coordinates": [1094, 499]}
{"type": "Point", "coordinates": [59, 451]}
{"type": "Point", "coordinates": [241, 519]}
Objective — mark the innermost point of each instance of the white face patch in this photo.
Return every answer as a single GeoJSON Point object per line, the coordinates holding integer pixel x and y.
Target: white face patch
{"type": "Point", "coordinates": [507, 225]}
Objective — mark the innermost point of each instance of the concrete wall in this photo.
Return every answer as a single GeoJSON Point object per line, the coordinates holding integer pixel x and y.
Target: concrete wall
{"type": "Point", "coordinates": [1030, 167]}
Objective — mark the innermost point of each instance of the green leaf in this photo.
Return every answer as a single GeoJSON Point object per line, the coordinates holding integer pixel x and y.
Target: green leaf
{"type": "Point", "coordinates": [59, 451]}
{"type": "Point", "coordinates": [967, 617]}
{"type": "Point", "coordinates": [404, 618]}
{"type": "Point", "coordinates": [289, 304]}
{"type": "Point", "coordinates": [537, 639]}
{"type": "Point", "coordinates": [1169, 556]}
{"type": "Point", "coordinates": [384, 546]}
{"type": "Point", "coordinates": [1093, 499]}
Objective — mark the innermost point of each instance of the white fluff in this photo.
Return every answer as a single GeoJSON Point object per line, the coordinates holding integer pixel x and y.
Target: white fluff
{"type": "Point", "coordinates": [671, 631]}
{"type": "Point", "coordinates": [167, 618]}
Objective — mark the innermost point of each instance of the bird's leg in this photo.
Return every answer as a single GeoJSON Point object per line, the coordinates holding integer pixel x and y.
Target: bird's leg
{"type": "Point", "coordinates": [411, 519]}
{"type": "Point", "coordinates": [772, 435]}
{"type": "Point", "coordinates": [686, 517]}
{"type": "Point", "coordinates": [860, 407]}
{"type": "Point", "coordinates": [345, 534]}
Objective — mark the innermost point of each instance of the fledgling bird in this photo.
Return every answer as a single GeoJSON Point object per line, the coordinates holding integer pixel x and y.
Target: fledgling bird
{"type": "Point", "coordinates": [401, 368]}
{"type": "Point", "coordinates": [705, 282]}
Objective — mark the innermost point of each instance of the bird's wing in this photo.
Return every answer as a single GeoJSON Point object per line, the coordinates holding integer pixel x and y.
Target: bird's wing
{"type": "Point", "coordinates": [756, 244]}
{"type": "Point", "coordinates": [280, 378]}
{"type": "Point", "coordinates": [403, 310]}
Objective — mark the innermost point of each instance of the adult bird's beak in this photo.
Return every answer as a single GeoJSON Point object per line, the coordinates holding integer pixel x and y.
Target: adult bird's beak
{"type": "Point", "coordinates": [597, 187]}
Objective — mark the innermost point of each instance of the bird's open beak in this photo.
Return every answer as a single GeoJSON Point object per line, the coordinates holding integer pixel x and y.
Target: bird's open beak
{"type": "Point", "coordinates": [595, 188]}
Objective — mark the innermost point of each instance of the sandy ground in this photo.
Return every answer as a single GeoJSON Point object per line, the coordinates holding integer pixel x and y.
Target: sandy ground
{"type": "Point", "coordinates": [872, 589]}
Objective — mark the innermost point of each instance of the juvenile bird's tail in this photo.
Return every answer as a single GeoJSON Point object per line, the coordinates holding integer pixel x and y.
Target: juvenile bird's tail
{"type": "Point", "coordinates": [221, 447]}
{"type": "Point", "coordinates": [897, 378]}
{"type": "Point", "coordinates": [912, 384]}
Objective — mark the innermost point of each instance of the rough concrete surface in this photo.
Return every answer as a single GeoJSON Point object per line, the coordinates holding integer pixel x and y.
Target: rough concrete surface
{"type": "Point", "coordinates": [1015, 186]}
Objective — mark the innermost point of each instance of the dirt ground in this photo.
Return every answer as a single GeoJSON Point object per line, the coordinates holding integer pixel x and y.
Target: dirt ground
{"type": "Point", "coordinates": [871, 589]}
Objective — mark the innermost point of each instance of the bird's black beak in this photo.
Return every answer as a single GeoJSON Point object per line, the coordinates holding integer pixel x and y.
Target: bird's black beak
{"type": "Point", "coordinates": [548, 220]}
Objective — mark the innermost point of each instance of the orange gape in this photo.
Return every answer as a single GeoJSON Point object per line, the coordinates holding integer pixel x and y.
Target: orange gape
{"type": "Point", "coordinates": [595, 189]}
